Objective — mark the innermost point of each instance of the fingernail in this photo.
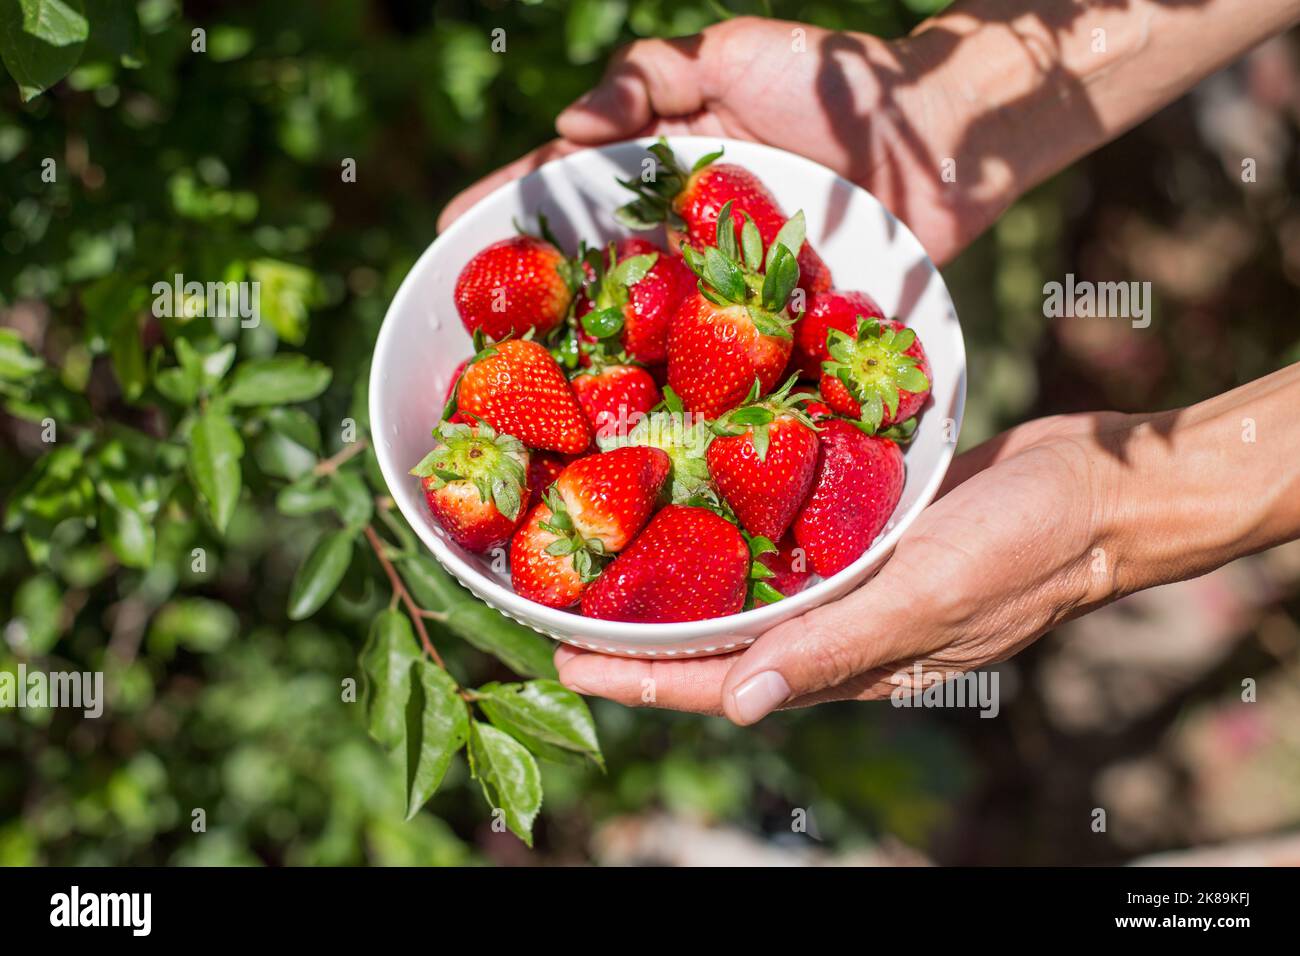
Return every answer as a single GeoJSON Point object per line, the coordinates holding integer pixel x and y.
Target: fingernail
{"type": "Point", "coordinates": [759, 696]}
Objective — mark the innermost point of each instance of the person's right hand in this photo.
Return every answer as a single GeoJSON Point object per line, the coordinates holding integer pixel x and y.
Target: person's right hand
{"type": "Point", "coordinates": [869, 109]}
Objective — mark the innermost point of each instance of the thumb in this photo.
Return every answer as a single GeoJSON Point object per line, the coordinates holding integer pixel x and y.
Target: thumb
{"type": "Point", "coordinates": [875, 625]}
{"type": "Point", "coordinates": [645, 81]}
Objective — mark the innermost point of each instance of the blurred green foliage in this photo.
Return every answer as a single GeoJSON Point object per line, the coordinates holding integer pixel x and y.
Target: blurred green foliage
{"type": "Point", "coordinates": [225, 675]}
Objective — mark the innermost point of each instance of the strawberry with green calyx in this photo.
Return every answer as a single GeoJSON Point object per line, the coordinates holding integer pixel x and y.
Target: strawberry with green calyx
{"type": "Point", "coordinates": [476, 483]}
{"type": "Point", "coordinates": [736, 327]}
{"type": "Point", "coordinates": [689, 203]}
{"type": "Point", "coordinates": [517, 285]}
{"type": "Point", "coordinates": [832, 309]}
{"type": "Point", "coordinates": [602, 500]}
{"type": "Point", "coordinates": [791, 571]}
{"type": "Point", "coordinates": [614, 396]}
{"type": "Point", "coordinates": [543, 468]}
{"type": "Point", "coordinates": [629, 300]}
{"type": "Point", "coordinates": [880, 376]}
{"type": "Point", "coordinates": [688, 564]}
{"type": "Point", "coordinates": [684, 437]}
{"type": "Point", "coordinates": [537, 572]}
{"type": "Point", "coordinates": [763, 460]}
{"type": "Point", "coordinates": [858, 485]}
{"type": "Point", "coordinates": [592, 511]}
{"type": "Point", "coordinates": [517, 388]}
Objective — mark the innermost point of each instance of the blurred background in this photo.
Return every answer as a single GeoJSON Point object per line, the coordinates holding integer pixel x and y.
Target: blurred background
{"type": "Point", "coordinates": [230, 160]}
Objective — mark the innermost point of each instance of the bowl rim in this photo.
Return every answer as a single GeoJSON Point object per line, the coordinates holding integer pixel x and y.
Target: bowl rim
{"type": "Point", "coordinates": [577, 626]}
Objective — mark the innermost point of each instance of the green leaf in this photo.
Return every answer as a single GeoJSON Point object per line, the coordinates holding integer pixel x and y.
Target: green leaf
{"type": "Point", "coordinates": [386, 662]}
{"type": "Point", "coordinates": [126, 521]}
{"type": "Point", "coordinates": [542, 711]}
{"type": "Point", "coordinates": [521, 649]}
{"type": "Point", "coordinates": [724, 275]}
{"type": "Point", "coordinates": [285, 293]}
{"type": "Point", "coordinates": [197, 624]}
{"type": "Point", "coordinates": [320, 574]}
{"type": "Point", "coordinates": [127, 353]}
{"type": "Point", "coordinates": [633, 269]}
{"type": "Point", "coordinates": [782, 276]}
{"type": "Point", "coordinates": [38, 605]}
{"type": "Point", "coordinates": [352, 498]}
{"type": "Point", "coordinates": [279, 380]}
{"type": "Point", "coordinates": [437, 726]}
{"type": "Point", "coordinates": [41, 41]}
{"type": "Point", "coordinates": [603, 323]}
{"type": "Point", "coordinates": [751, 242]}
{"type": "Point", "coordinates": [17, 363]}
{"type": "Point", "coordinates": [214, 452]}
{"type": "Point", "coordinates": [304, 497]}
{"type": "Point", "coordinates": [509, 776]}
{"type": "Point", "coordinates": [790, 236]}
{"type": "Point", "coordinates": [591, 26]}
{"type": "Point", "coordinates": [431, 586]}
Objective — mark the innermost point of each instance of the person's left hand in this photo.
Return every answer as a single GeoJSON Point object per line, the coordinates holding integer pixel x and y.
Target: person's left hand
{"type": "Point", "coordinates": [1021, 540]}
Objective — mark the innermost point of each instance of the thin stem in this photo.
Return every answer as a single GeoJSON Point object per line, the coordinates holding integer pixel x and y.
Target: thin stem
{"type": "Point", "coordinates": [332, 464]}
{"type": "Point", "coordinates": [417, 614]}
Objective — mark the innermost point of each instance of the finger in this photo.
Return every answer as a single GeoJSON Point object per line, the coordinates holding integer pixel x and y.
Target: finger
{"type": "Point", "coordinates": [519, 168]}
{"type": "Point", "coordinates": [690, 685]}
{"type": "Point", "coordinates": [829, 647]}
{"type": "Point", "coordinates": [649, 79]}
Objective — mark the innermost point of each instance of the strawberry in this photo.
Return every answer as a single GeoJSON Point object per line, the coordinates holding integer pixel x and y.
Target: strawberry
{"type": "Point", "coordinates": [690, 204]}
{"type": "Point", "coordinates": [592, 510]}
{"type": "Point", "coordinates": [604, 499]}
{"type": "Point", "coordinates": [826, 311]}
{"type": "Point", "coordinates": [791, 572]}
{"type": "Point", "coordinates": [514, 286]}
{"type": "Point", "coordinates": [475, 481]}
{"type": "Point", "coordinates": [455, 418]}
{"type": "Point", "coordinates": [615, 397]}
{"type": "Point", "coordinates": [687, 565]}
{"type": "Point", "coordinates": [543, 468]}
{"type": "Point", "coordinates": [540, 569]}
{"type": "Point", "coordinates": [736, 328]}
{"type": "Point", "coordinates": [858, 484]}
{"type": "Point", "coordinates": [516, 387]}
{"type": "Point", "coordinates": [630, 299]}
{"type": "Point", "coordinates": [763, 461]}
{"type": "Point", "coordinates": [879, 376]}
{"type": "Point", "coordinates": [683, 437]}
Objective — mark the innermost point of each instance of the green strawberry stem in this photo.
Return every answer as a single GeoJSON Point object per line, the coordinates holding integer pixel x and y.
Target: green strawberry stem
{"type": "Point", "coordinates": [874, 367]}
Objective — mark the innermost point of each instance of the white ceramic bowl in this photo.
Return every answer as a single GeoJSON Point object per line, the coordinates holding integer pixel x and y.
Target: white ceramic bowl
{"type": "Point", "coordinates": [422, 341]}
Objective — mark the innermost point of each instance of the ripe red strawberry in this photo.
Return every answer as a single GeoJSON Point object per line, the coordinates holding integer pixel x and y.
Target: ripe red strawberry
{"type": "Point", "coordinates": [687, 565]}
{"type": "Point", "coordinates": [736, 328]}
{"type": "Point", "coordinates": [826, 311]}
{"type": "Point", "coordinates": [516, 285]}
{"type": "Point", "coordinates": [690, 203]}
{"type": "Point", "coordinates": [763, 461]}
{"type": "Point", "coordinates": [631, 295]}
{"type": "Point", "coordinates": [791, 570]}
{"type": "Point", "coordinates": [684, 438]}
{"type": "Point", "coordinates": [539, 568]}
{"type": "Point", "coordinates": [608, 497]}
{"type": "Point", "coordinates": [475, 481]}
{"type": "Point", "coordinates": [615, 397]}
{"type": "Point", "coordinates": [858, 484]}
{"type": "Point", "coordinates": [516, 387]}
{"type": "Point", "coordinates": [879, 376]}
{"type": "Point", "coordinates": [543, 468]}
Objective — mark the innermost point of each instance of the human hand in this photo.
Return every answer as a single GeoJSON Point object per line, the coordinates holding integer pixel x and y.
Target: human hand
{"type": "Point", "coordinates": [850, 101]}
{"type": "Point", "coordinates": [1009, 551]}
